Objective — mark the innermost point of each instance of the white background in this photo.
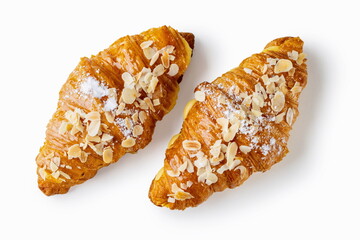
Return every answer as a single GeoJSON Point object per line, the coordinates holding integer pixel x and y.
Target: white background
{"type": "Point", "coordinates": [312, 194]}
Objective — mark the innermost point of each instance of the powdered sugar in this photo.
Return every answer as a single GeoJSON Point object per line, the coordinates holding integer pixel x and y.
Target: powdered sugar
{"type": "Point", "coordinates": [93, 87]}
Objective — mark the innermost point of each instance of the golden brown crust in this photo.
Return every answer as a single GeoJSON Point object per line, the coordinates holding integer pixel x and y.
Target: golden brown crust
{"type": "Point", "coordinates": [100, 117]}
{"type": "Point", "coordinates": [235, 127]}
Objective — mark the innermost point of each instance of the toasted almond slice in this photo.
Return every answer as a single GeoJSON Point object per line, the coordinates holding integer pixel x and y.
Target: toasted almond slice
{"type": "Point", "coordinates": [83, 157]}
{"type": "Point", "coordinates": [292, 72]}
{"type": "Point", "coordinates": [156, 102]}
{"type": "Point", "coordinates": [290, 116]}
{"type": "Point", "coordinates": [191, 145]}
{"type": "Point", "coordinates": [256, 113]}
{"type": "Point", "coordinates": [152, 85]}
{"type": "Point", "coordinates": [224, 123]}
{"type": "Point", "coordinates": [106, 137]}
{"type": "Point", "coordinates": [171, 200]}
{"type": "Point", "coordinates": [120, 108]}
{"type": "Point", "coordinates": [172, 173]}
{"type": "Point", "coordinates": [53, 166]}
{"type": "Point", "coordinates": [278, 102]}
{"type": "Point", "coordinates": [264, 69]}
{"type": "Point", "coordinates": [296, 88]}
{"type": "Point", "coordinates": [128, 95]}
{"type": "Point", "coordinates": [279, 117]}
{"type": "Point", "coordinates": [189, 166]}
{"type": "Point", "coordinates": [108, 155]}
{"type": "Point", "coordinates": [42, 173]}
{"type": "Point", "coordinates": [154, 58]}
{"type": "Point", "coordinates": [128, 142]}
{"type": "Point", "coordinates": [283, 65]}
{"type": "Point", "coordinates": [293, 55]}
{"type": "Point", "coordinates": [149, 104]}
{"type": "Point", "coordinates": [128, 79]}
{"type": "Point", "coordinates": [211, 178]}
{"type": "Point", "coordinates": [64, 127]}
{"type": "Point", "coordinates": [245, 149]}
{"type": "Point", "coordinates": [174, 69]}
{"type": "Point", "coordinates": [222, 169]}
{"type": "Point", "coordinates": [149, 52]}
{"type": "Point", "coordinates": [109, 117]}
{"type": "Point", "coordinates": [56, 174]}
{"type": "Point", "coordinates": [165, 60]}
{"type": "Point", "coordinates": [56, 161]}
{"type": "Point", "coordinates": [231, 151]}
{"type": "Point", "coordinates": [94, 128]}
{"type": "Point", "coordinates": [301, 58]}
{"type": "Point", "coordinates": [92, 138]}
{"type": "Point", "coordinates": [200, 96]}
{"type": "Point", "coordinates": [158, 70]}
{"type": "Point", "coordinates": [74, 151]}
{"type": "Point", "coordinates": [142, 116]}
{"type": "Point", "coordinates": [138, 130]}
{"type": "Point", "coordinates": [65, 175]}
{"type": "Point", "coordinates": [146, 44]}
{"type": "Point", "coordinates": [93, 116]}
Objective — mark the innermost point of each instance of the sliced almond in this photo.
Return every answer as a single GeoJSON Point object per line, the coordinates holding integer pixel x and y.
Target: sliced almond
{"type": "Point", "coordinates": [279, 117]}
{"type": "Point", "coordinates": [149, 52]}
{"type": "Point", "coordinates": [93, 116]}
{"type": "Point", "coordinates": [301, 58]}
{"type": "Point", "coordinates": [290, 116]}
{"type": "Point", "coordinates": [128, 80]}
{"type": "Point", "coordinates": [109, 117]}
{"type": "Point", "coordinates": [53, 166]}
{"type": "Point", "coordinates": [149, 103]}
{"type": "Point", "coordinates": [165, 60]}
{"type": "Point", "coordinates": [211, 178]}
{"type": "Point", "coordinates": [174, 69]}
{"type": "Point", "coordinates": [64, 127]}
{"type": "Point", "coordinates": [293, 55]}
{"type": "Point", "coordinates": [191, 145]}
{"type": "Point", "coordinates": [92, 138]}
{"type": "Point", "coordinates": [152, 85]}
{"type": "Point", "coordinates": [94, 128]}
{"type": "Point", "coordinates": [231, 151]}
{"type": "Point", "coordinates": [138, 130]}
{"type": "Point", "coordinates": [74, 151]}
{"type": "Point", "coordinates": [156, 102]}
{"type": "Point", "coordinates": [83, 157]}
{"type": "Point", "coordinates": [200, 96]}
{"type": "Point", "coordinates": [245, 149]}
{"type": "Point", "coordinates": [128, 142]}
{"type": "Point", "coordinates": [296, 88]}
{"type": "Point", "coordinates": [154, 58]}
{"type": "Point", "coordinates": [142, 116]}
{"type": "Point", "coordinates": [128, 95]}
{"type": "Point", "coordinates": [283, 65]}
{"type": "Point", "coordinates": [278, 102]}
{"type": "Point", "coordinates": [158, 70]}
{"type": "Point", "coordinates": [146, 44]}
{"type": "Point", "coordinates": [106, 137]}
{"type": "Point", "coordinates": [108, 155]}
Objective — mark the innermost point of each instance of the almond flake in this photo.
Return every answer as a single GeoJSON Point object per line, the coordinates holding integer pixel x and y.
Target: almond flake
{"type": "Point", "coordinates": [256, 113]}
{"type": "Point", "coordinates": [165, 60]}
{"type": "Point", "coordinates": [94, 128]}
{"type": "Point", "coordinates": [64, 127]}
{"type": "Point", "coordinates": [56, 161]}
{"type": "Point", "coordinates": [189, 165]}
{"type": "Point", "coordinates": [158, 70]}
{"type": "Point", "coordinates": [292, 72]}
{"type": "Point", "coordinates": [92, 138]}
{"type": "Point", "coordinates": [120, 108]}
{"type": "Point", "coordinates": [93, 116]}
{"type": "Point", "coordinates": [108, 155]}
{"type": "Point", "coordinates": [171, 173]}
{"type": "Point", "coordinates": [171, 200]}
{"type": "Point", "coordinates": [174, 69]}
{"type": "Point", "coordinates": [83, 157]}
{"type": "Point", "coordinates": [149, 104]}
{"type": "Point", "coordinates": [152, 85]}
{"type": "Point", "coordinates": [127, 123]}
{"type": "Point", "coordinates": [128, 95]}
{"type": "Point", "coordinates": [264, 69]}
{"type": "Point", "coordinates": [154, 58]}
{"type": "Point", "coordinates": [53, 166]}
{"type": "Point", "coordinates": [106, 137]}
{"type": "Point", "coordinates": [191, 145]}
{"type": "Point", "coordinates": [65, 175]}
{"type": "Point", "coordinates": [109, 117]}
{"type": "Point", "coordinates": [293, 55]}
{"type": "Point", "coordinates": [301, 58]}
{"type": "Point", "coordinates": [245, 149]}
{"type": "Point", "coordinates": [248, 70]}
{"type": "Point", "coordinates": [296, 88]}
{"type": "Point", "coordinates": [231, 151]}
{"type": "Point", "coordinates": [279, 117]}
{"type": "Point", "coordinates": [142, 116]}
{"type": "Point", "coordinates": [278, 102]}
{"type": "Point", "coordinates": [211, 178]}
{"type": "Point", "coordinates": [290, 116]}
{"type": "Point", "coordinates": [283, 65]}
{"type": "Point", "coordinates": [138, 130]}
{"type": "Point", "coordinates": [128, 80]}
{"type": "Point", "coordinates": [146, 44]}
{"type": "Point", "coordinates": [222, 169]}
{"type": "Point", "coordinates": [156, 102]}
{"type": "Point", "coordinates": [129, 142]}
{"type": "Point", "coordinates": [74, 151]}
{"type": "Point", "coordinates": [56, 174]}
{"type": "Point", "coordinates": [200, 96]}
{"type": "Point", "coordinates": [149, 52]}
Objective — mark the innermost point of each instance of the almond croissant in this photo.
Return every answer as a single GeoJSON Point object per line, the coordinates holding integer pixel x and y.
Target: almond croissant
{"type": "Point", "coordinates": [236, 125]}
{"type": "Point", "coordinates": [110, 104]}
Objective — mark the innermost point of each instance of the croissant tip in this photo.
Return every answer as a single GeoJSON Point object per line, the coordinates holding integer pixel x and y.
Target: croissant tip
{"type": "Point", "coordinates": [190, 38]}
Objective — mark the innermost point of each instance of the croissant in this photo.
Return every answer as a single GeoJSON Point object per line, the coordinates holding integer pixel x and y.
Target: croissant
{"type": "Point", "coordinates": [110, 104]}
{"type": "Point", "coordinates": [237, 125]}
